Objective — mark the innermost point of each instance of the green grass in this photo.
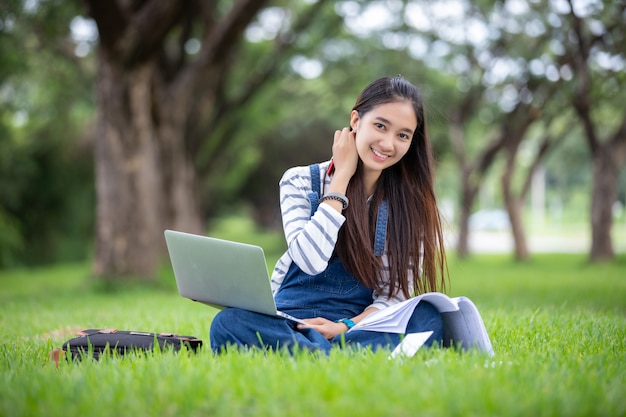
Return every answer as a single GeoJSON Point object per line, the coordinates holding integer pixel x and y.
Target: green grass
{"type": "Point", "coordinates": [558, 326]}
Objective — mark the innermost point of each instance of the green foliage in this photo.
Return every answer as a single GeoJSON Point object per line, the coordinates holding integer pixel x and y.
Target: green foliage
{"type": "Point", "coordinates": [46, 106]}
{"type": "Point", "coordinates": [308, 111]}
{"type": "Point", "coordinates": [46, 179]}
{"type": "Point", "coordinates": [557, 324]}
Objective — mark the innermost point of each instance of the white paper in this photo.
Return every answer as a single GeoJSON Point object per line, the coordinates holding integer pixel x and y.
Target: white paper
{"type": "Point", "coordinates": [394, 319]}
{"type": "Point", "coordinates": [410, 344]}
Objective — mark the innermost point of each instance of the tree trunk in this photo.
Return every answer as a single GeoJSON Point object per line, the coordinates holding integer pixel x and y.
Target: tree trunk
{"type": "Point", "coordinates": [514, 209]}
{"type": "Point", "coordinates": [603, 196]}
{"type": "Point", "coordinates": [606, 156]}
{"type": "Point", "coordinates": [468, 195]}
{"type": "Point", "coordinates": [471, 178]}
{"type": "Point", "coordinates": [143, 181]}
{"type": "Point", "coordinates": [514, 205]}
{"type": "Point", "coordinates": [151, 99]}
{"type": "Point", "coordinates": [127, 176]}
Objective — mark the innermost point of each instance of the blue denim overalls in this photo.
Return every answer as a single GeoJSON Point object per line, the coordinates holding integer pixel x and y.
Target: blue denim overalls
{"type": "Point", "coordinates": [334, 294]}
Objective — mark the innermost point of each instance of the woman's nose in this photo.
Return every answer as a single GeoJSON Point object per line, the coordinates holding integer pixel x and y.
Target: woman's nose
{"type": "Point", "coordinates": [386, 142]}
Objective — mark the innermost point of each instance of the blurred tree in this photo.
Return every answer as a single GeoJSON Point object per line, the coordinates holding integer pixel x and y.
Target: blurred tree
{"type": "Point", "coordinates": [490, 106]}
{"type": "Point", "coordinates": [168, 81]}
{"type": "Point", "coordinates": [320, 103]}
{"type": "Point", "coordinates": [512, 60]}
{"type": "Point", "coordinates": [593, 44]}
{"type": "Point", "coordinates": [208, 99]}
{"type": "Point", "coordinates": [531, 97]}
{"type": "Point", "coordinates": [46, 191]}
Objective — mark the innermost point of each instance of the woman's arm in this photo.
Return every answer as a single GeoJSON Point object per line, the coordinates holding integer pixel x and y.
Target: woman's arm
{"type": "Point", "coordinates": [310, 240]}
{"type": "Point", "coordinates": [345, 160]}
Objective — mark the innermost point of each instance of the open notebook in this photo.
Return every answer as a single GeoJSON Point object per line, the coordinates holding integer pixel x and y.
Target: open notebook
{"type": "Point", "coordinates": [463, 324]}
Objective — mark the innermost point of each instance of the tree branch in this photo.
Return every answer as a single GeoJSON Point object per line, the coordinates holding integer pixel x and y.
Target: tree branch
{"type": "Point", "coordinates": [111, 21]}
{"type": "Point", "coordinates": [218, 42]}
{"type": "Point", "coordinates": [132, 33]}
{"type": "Point", "coordinates": [148, 27]}
{"type": "Point", "coordinates": [282, 44]}
{"type": "Point", "coordinates": [547, 143]}
{"type": "Point", "coordinates": [581, 100]}
{"type": "Point", "coordinates": [259, 78]}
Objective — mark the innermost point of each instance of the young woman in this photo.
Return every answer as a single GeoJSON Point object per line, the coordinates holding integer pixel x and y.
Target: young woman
{"type": "Point", "coordinates": [363, 233]}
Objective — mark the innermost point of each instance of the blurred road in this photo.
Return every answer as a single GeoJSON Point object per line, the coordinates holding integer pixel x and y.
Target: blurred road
{"type": "Point", "coordinates": [502, 242]}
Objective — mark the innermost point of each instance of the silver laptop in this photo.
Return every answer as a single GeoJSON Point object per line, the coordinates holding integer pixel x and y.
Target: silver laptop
{"type": "Point", "coordinates": [222, 273]}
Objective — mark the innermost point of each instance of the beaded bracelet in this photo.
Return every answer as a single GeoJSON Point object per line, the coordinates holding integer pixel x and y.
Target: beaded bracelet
{"type": "Point", "coordinates": [337, 197]}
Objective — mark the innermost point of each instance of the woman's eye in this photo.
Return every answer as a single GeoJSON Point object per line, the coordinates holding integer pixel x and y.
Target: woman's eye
{"type": "Point", "coordinates": [404, 136]}
{"type": "Point", "coordinates": [379, 125]}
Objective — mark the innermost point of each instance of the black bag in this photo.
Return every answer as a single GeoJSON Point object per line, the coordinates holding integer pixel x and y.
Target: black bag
{"type": "Point", "coordinates": [96, 341]}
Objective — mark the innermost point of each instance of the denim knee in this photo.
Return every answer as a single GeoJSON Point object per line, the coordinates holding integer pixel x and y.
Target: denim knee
{"type": "Point", "coordinates": [243, 328]}
{"type": "Point", "coordinates": [426, 317]}
{"type": "Point", "coordinates": [219, 335]}
{"type": "Point", "coordinates": [234, 326]}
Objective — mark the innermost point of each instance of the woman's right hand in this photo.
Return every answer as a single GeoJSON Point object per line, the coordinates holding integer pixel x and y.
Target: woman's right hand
{"type": "Point", "coordinates": [327, 328]}
{"type": "Point", "coordinates": [345, 155]}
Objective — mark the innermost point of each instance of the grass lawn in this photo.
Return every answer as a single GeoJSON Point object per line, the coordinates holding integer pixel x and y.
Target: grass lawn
{"type": "Point", "coordinates": [557, 324]}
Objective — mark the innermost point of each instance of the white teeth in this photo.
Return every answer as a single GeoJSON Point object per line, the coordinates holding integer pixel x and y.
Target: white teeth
{"type": "Point", "coordinates": [378, 154]}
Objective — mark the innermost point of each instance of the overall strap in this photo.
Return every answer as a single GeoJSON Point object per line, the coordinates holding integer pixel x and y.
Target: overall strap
{"type": "Point", "coordinates": [381, 229]}
{"type": "Point", "coordinates": [381, 219]}
{"type": "Point", "coordinates": [315, 195]}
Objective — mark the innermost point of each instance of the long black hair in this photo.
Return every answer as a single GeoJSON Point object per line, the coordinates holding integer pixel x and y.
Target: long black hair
{"type": "Point", "coordinates": [414, 225]}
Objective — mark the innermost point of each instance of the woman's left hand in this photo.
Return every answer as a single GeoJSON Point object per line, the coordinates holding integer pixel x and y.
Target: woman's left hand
{"type": "Point", "coordinates": [327, 328]}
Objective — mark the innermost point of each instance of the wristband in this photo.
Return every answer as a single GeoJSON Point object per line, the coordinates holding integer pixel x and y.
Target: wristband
{"type": "Point", "coordinates": [337, 197]}
{"type": "Point", "coordinates": [347, 322]}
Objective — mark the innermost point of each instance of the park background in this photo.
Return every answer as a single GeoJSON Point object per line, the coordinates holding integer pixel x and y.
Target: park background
{"type": "Point", "coordinates": [121, 119]}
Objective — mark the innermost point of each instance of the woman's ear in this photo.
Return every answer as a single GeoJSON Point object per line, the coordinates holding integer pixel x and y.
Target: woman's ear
{"type": "Point", "coordinates": [354, 120]}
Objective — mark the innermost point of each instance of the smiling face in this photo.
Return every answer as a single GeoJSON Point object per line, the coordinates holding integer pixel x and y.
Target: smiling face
{"type": "Point", "coordinates": [383, 135]}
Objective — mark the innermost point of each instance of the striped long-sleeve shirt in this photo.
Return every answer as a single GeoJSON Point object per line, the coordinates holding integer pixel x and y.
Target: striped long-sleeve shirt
{"type": "Point", "coordinates": [311, 240]}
